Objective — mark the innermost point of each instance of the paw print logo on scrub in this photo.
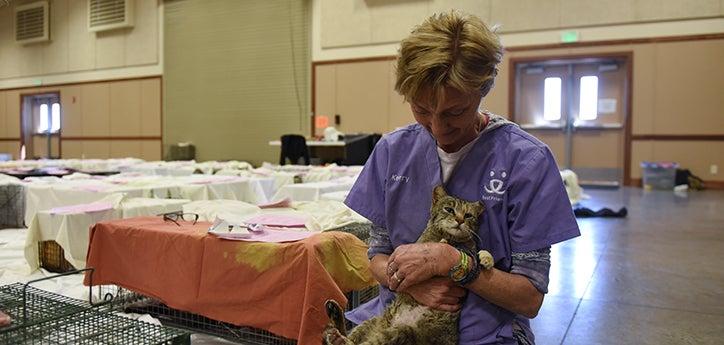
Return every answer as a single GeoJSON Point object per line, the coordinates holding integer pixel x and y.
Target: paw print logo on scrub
{"type": "Point", "coordinates": [495, 185]}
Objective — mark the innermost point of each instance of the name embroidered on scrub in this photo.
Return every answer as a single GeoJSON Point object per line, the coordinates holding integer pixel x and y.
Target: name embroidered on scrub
{"type": "Point", "coordinates": [400, 178]}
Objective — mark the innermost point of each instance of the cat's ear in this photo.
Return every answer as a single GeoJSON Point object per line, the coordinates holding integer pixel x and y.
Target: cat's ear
{"type": "Point", "coordinates": [479, 207]}
{"type": "Point", "coordinates": [438, 193]}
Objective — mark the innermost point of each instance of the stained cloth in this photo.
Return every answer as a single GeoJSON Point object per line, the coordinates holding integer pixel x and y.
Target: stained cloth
{"type": "Point", "coordinates": [278, 287]}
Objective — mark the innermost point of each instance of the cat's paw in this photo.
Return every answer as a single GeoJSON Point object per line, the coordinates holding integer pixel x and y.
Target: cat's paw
{"type": "Point", "coordinates": [443, 241]}
{"type": "Point", "coordinates": [331, 336]}
{"type": "Point", "coordinates": [486, 259]}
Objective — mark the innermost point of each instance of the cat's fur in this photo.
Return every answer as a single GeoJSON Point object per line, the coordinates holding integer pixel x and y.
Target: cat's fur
{"type": "Point", "coordinates": [405, 321]}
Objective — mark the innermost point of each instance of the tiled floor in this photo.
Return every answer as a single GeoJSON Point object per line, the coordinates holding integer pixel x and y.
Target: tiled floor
{"type": "Point", "coordinates": [654, 277]}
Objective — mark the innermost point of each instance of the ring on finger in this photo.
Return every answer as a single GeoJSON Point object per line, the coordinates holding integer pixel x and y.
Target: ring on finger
{"type": "Point", "coordinates": [397, 278]}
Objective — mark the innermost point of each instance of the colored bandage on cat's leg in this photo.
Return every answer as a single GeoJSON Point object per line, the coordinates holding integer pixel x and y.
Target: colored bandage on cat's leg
{"type": "Point", "coordinates": [336, 316]}
{"type": "Point", "coordinates": [486, 259]}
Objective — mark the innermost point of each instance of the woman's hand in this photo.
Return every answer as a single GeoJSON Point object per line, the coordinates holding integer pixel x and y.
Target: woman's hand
{"type": "Point", "coordinates": [411, 264]}
{"type": "Point", "coordinates": [437, 293]}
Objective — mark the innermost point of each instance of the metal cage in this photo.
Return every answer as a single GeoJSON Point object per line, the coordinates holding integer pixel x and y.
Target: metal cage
{"type": "Point", "coordinates": [41, 317]}
{"type": "Point", "coordinates": [137, 303]}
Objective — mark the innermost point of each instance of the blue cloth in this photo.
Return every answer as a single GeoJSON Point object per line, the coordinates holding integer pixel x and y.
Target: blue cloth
{"type": "Point", "coordinates": [510, 171]}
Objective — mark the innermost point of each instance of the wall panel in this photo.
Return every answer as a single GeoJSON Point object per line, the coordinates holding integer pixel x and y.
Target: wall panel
{"type": "Point", "coordinates": [11, 147]}
{"type": "Point", "coordinates": [96, 108]}
{"type": "Point", "coordinates": [55, 55]}
{"type": "Point", "coordinates": [12, 108]}
{"type": "Point", "coordinates": [151, 107]}
{"type": "Point", "coordinates": [96, 149]}
{"type": "Point", "coordinates": [125, 108]}
{"type": "Point", "coordinates": [644, 89]}
{"type": "Point", "coordinates": [125, 148]}
{"type": "Point", "coordinates": [398, 110]}
{"type": "Point", "coordinates": [81, 42]}
{"type": "Point", "coordinates": [362, 96]}
{"type": "Point", "coordinates": [111, 48]}
{"type": "Point", "coordinates": [141, 45]}
{"type": "Point", "coordinates": [72, 149]}
{"type": "Point", "coordinates": [526, 14]}
{"type": "Point", "coordinates": [689, 98]}
{"type": "Point", "coordinates": [151, 150]}
{"type": "Point", "coordinates": [338, 16]}
{"type": "Point", "coordinates": [594, 12]}
{"type": "Point", "coordinates": [71, 115]}
{"type": "Point", "coordinates": [646, 10]}
{"type": "Point", "coordinates": [387, 25]}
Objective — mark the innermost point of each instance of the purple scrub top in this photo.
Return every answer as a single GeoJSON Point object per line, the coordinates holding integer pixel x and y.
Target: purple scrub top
{"type": "Point", "coordinates": [511, 172]}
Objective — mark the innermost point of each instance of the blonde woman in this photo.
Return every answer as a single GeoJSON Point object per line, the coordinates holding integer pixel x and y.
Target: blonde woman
{"type": "Point", "coordinates": [445, 69]}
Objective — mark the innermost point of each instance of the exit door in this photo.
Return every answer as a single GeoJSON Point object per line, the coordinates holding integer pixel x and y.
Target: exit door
{"type": "Point", "coordinates": [578, 108]}
{"type": "Point", "coordinates": [41, 117]}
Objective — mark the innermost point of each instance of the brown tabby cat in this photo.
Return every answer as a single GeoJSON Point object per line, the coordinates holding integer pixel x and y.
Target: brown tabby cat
{"type": "Point", "coordinates": [405, 321]}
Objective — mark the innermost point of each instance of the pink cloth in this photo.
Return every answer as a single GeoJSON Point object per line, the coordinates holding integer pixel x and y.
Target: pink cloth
{"type": "Point", "coordinates": [267, 235]}
{"type": "Point", "coordinates": [82, 208]}
{"type": "Point", "coordinates": [278, 220]}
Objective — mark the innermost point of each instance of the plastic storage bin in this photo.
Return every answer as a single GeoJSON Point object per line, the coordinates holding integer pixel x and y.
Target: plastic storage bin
{"type": "Point", "coordinates": [659, 175]}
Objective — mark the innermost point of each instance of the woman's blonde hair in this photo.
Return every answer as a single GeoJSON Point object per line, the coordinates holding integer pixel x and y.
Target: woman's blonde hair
{"type": "Point", "coordinates": [448, 50]}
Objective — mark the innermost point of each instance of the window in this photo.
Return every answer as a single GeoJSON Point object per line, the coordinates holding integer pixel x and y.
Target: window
{"type": "Point", "coordinates": [588, 105]}
{"type": "Point", "coordinates": [49, 121]}
{"type": "Point", "coordinates": [552, 99]}
{"type": "Point", "coordinates": [44, 126]}
{"type": "Point", "coordinates": [55, 117]}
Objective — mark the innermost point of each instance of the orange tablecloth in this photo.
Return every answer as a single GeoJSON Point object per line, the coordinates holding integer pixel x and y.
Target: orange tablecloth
{"type": "Point", "coordinates": [278, 287]}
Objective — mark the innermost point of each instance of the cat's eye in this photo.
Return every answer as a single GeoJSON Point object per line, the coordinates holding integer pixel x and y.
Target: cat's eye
{"type": "Point", "coordinates": [449, 210]}
{"type": "Point", "coordinates": [468, 215]}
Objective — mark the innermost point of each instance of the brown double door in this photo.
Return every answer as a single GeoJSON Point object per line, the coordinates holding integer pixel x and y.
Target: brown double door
{"type": "Point", "coordinates": [577, 107]}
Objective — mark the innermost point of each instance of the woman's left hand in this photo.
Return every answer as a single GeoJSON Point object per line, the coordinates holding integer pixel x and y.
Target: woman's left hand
{"type": "Point", "coordinates": [411, 264]}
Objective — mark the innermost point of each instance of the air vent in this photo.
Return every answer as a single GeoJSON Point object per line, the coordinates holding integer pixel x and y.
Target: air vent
{"type": "Point", "coordinates": [31, 23]}
{"type": "Point", "coordinates": [106, 15]}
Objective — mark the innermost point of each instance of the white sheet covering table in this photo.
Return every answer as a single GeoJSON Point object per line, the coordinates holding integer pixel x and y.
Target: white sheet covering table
{"type": "Point", "coordinates": [44, 195]}
{"type": "Point", "coordinates": [71, 230]}
{"type": "Point", "coordinates": [313, 191]}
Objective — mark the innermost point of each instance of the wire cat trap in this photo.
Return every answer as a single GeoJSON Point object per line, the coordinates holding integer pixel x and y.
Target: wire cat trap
{"type": "Point", "coordinates": [41, 317]}
{"type": "Point", "coordinates": [137, 303]}
{"type": "Point", "coordinates": [12, 205]}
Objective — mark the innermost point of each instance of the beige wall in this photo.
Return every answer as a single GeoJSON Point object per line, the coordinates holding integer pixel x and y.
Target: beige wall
{"type": "Point", "coordinates": [378, 21]}
{"type": "Point", "coordinates": [362, 94]}
{"type": "Point", "coordinates": [73, 51]}
{"type": "Point", "coordinates": [92, 115]}
{"type": "Point", "coordinates": [676, 91]}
